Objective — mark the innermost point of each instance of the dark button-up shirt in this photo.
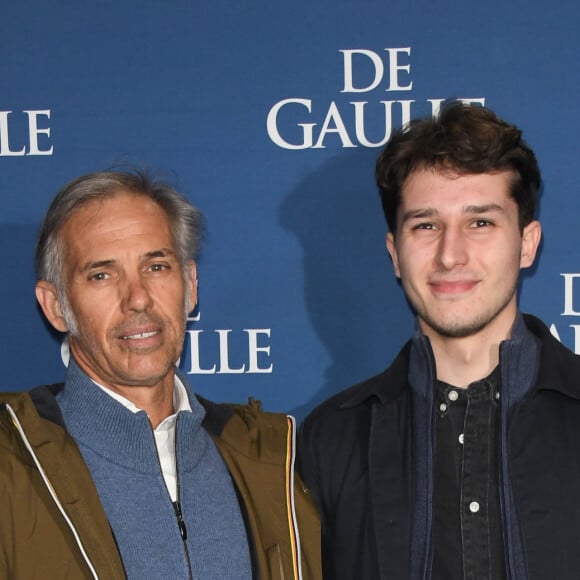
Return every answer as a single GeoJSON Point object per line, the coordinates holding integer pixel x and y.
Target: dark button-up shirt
{"type": "Point", "coordinates": [468, 531]}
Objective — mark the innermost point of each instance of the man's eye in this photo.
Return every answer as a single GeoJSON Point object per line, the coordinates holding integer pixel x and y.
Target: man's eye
{"type": "Point", "coordinates": [158, 267]}
{"type": "Point", "coordinates": [99, 276]}
{"type": "Point", "coordinates": [481, 223]}
{"type": "Point", "coordinates": [424, 226]}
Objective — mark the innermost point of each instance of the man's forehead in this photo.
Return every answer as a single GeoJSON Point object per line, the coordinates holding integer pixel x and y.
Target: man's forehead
{"type": "Point", "coordinates": [437, 184]}
{"type": "Point", "coordinates": [126, 220]}
{"type": "Point", "coordinates": [107, 202]}
{"type": "Point", "coordinates": [114, 204]}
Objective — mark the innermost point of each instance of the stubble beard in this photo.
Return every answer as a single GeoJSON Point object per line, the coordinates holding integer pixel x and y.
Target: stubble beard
{"type": "Point", "coordinates": [463, 328]}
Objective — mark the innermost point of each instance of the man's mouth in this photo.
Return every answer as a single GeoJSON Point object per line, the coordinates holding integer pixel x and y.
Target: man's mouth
{"type": "Point", "coordinates": [140, 335]}
{"type": "Point", "coordinates": [453, 286]}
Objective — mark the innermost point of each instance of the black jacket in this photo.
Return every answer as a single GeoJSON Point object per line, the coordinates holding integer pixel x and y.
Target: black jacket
{"type": "Point", "coordinates": [367, 456]}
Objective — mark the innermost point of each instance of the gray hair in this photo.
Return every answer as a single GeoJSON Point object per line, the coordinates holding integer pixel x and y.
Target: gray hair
{"type": "Point", "coordinates": [186, 221]}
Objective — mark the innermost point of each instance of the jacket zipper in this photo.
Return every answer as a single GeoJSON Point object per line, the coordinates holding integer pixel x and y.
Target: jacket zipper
{"type": "Point", "coordinates": [177, 506]}
{"type": "Point", "coordinates": [50, 489]}
{"type": "Point", "coordinates": [180, 521]}
{"type": "Point", "coordinates": [290, 499]}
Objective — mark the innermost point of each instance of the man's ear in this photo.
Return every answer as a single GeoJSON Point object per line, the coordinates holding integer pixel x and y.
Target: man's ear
{"type": "Point", "coordinates": [391, 248]}
{"type": "Point", "coordinates": [47, 297]}
{"type": "Point", "coordinates": [191, 273]}
{"type": "Point", "coordinates": [531, 237]}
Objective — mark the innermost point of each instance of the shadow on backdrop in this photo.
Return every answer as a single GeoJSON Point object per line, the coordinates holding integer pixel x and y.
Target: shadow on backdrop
{"type": "Point", "coordinates": [24, 334]}
{"type": "Point", "coordinates": [353, 299]}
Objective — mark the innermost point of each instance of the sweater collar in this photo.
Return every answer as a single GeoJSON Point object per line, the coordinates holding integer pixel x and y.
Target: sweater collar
{"type": "Point", "coordinates": [99, 422]}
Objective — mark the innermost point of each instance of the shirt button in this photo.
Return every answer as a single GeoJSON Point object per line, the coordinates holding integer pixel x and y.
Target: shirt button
{"type": "Point", "coordinates": [453, 395]}
{"type": "Point", "coordinates": [461, 438]}
{"type": "Point", "coordinates": [497, 396]}
{"type": "Point", "coordinates": [474, 507]}
{"type": "Point", "coordinates": [443, 407]}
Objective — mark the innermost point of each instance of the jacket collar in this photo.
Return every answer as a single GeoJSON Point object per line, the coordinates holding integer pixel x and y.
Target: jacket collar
{"type": "Point", "coordinates": [385, 386]}
{"type": "Point", "coordinates": [559, 367]}
{"type": "Point", "coordinates": [44, 399]}
{"type": "Point", "coordinates": [556, 368]}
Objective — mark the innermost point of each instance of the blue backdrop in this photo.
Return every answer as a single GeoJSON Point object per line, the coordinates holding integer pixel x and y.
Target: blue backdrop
{"type": "Point", "coordinates": [269, 117]}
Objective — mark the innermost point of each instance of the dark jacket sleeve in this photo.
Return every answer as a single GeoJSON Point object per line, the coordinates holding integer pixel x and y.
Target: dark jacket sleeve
{"type": "Point", "coordinates": [306, 462]}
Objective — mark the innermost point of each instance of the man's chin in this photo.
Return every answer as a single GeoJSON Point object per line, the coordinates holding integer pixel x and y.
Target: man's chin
{"type": "Point", "coordinates": [455, 329]}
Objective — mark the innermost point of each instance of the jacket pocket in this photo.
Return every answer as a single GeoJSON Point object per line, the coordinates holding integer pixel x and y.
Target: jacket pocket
{"type": "Point", "coordinates": [275, 562]}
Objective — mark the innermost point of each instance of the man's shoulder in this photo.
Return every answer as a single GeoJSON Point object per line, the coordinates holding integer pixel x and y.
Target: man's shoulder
{"type": "Point", "coordinates": [39, 401]}
{"type": "Point", "coordinates": [32, 415]}
{"type": "Point", "coordinates": [559, 367]}
{"type": "Point", "coordinates": [248, 429]}
{"type": "Point", "coordinates": [218, 415]}
{"type": "Point", "coordinates": [383, 388]}
{"type": "Point", "coordinates": [13, 398]}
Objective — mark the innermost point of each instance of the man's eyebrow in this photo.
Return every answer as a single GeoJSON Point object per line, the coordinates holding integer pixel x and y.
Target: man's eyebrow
{"type": "Point", "coordinates": [429, 212]}
{"type": "Point", "coordinates": [97, 264]}
{"type": "Point", "coordinates": [426, 212]}
{"type": "Point", "coordinates": [483, 208]}
{"type": "Point", "coordinates": [160, 253]}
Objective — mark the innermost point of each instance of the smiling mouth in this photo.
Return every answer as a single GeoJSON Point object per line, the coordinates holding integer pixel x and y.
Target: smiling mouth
{"type": "Point", "coordinates": [140, 335]}
{"type": "Point", "coordinates": [453, 287]}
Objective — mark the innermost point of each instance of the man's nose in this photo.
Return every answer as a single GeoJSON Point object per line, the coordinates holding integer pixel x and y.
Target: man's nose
{"type": "Point", "coordinates": [136, 294]}
{"type": "Point", "coordinates": [452, 248]}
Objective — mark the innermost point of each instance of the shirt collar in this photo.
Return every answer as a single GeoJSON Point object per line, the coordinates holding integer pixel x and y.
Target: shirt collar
{"type": "Point", "coordinates": [180, 402]}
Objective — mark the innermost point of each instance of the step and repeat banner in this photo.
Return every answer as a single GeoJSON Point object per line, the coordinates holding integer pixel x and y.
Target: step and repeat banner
{"type": "Point", "coordinates": [269, 117]}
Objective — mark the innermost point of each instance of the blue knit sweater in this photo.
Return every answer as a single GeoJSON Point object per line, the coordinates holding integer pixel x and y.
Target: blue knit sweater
{"type": "Point", "coordinates": [119, 449]}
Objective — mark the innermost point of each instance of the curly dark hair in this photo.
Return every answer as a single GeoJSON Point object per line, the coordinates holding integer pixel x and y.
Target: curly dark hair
{"type": "Point", "coordinates": [465, 140]}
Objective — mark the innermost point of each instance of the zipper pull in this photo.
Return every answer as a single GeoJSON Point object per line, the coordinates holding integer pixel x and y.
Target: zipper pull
{"type": "Point", "coordinates": [180, 521]}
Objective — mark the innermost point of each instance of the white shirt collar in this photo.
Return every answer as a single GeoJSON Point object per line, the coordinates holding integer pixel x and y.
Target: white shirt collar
{"type": "Point", "coordinates": [180, 402]}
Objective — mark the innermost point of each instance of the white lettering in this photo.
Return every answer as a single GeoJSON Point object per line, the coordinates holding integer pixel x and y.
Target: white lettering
{"type": "Point", "coordinates": [334, 123]}
{"type": "Point", "coordinates": [576, 328]}
{"type": "Point", "coordinates": [333, 116]}
{"type": "Point", "coordinates": [469, 101]}
{"type": "Point", "coordinates": [272, 125]}
{"type": "Point", "coordinates": [195, 367]}
{"type": "Point", "coordinates": [569, 295]}
{"type": "Point", "coordinates": [224, 355]}
{"type": "Point", "coordinates": [555, 333]}
{"type": "Point", "coordinates": [435, 106]}
{"type": "Point", "coordinates": [34, 132]}
{"type": "Point", "coordinates": [348, 79]}
{"type": "Point", "coordinates": [436, 103]}
{"type": "Point", "coordinates": [195, 318]}
{"type": "Point", "coordinates": [395, 67]}
{"type": "Point", "coordinates": [5, 150]}
{"type": "Point", "coordinates": [359, 117]}
{"type": "Point", "coordinates": [254, 349]}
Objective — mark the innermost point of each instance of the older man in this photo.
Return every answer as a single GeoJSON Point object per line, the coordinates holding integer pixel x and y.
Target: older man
{"type": "Point", "coordinates": [123, 470]}
{"type": "Point", "coordinates": [460, 461]}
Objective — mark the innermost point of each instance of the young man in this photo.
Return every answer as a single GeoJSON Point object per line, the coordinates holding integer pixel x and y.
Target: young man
{"type": "Point", "coordinates": [460, 461]}
{"type": "Point", "coordinates": [122, 471]}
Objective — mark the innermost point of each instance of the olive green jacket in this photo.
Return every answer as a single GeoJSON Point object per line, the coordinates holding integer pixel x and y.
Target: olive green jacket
{"type": "Point", "coordinates": [52, 524]}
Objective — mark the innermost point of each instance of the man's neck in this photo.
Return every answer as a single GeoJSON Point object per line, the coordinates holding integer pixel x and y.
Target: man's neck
{"type": "Point", "coordinates": [461, 361]}
{"type": "Point", "coordinates": [156, 402]}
